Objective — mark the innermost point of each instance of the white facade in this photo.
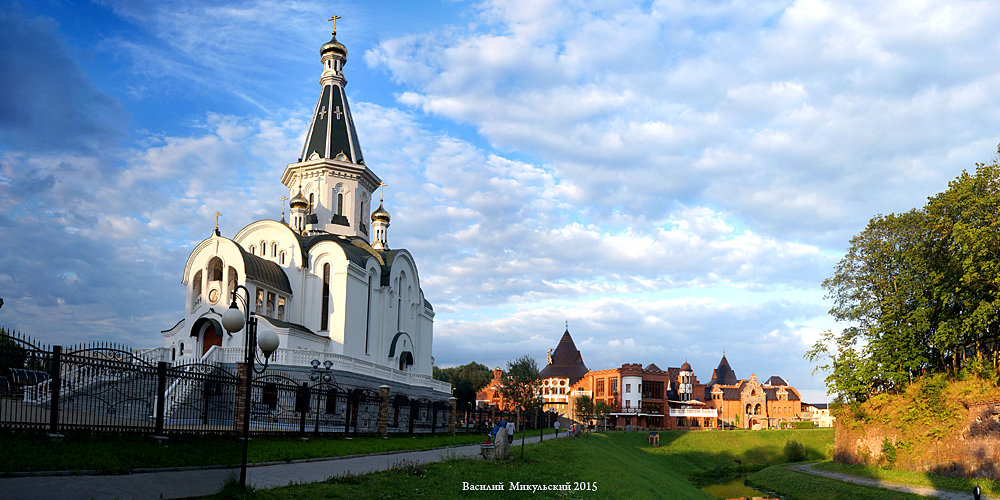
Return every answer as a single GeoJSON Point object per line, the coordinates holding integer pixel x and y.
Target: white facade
{"type": "Point", "coordinates": [631, 393]}
{"type": "Point", "coordinates": [316, 281]}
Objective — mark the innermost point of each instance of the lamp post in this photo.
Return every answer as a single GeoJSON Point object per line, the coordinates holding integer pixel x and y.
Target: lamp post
{"type": "Point", "coordinates": [233, 320]}
{"type": "Point", "coordinates": [317, 375]}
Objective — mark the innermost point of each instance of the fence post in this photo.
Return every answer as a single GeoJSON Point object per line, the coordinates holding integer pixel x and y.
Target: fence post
{"type": "Point", "coordinates": [55, 384]}
{"type": "Point", "coordinates": [383, 411]}
{"type": "Point", "coordinates": [240, 398]}
{"type": "Point", "coordinates": [303, 398]}
{"type": "Point", "coordinates": [434, 417]}
{"type": "Point", "coordinates": [161, 395]}
{"type": "Point", "coordinates": [452, 404]}
{"type": "Point", "coordinates": [414, 409]}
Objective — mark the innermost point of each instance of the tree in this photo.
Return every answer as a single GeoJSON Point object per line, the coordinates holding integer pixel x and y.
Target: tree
{"type": "Point", "coordinates": [584, 408]}
{"type": "Point", "coordinates": [918, 291]}
{"type": "Point", "coordinates": [467, 380]}
{"type": "Point", "coordinates": [601, 411]}
{"type": "Point", "coordinates": [520, 386]}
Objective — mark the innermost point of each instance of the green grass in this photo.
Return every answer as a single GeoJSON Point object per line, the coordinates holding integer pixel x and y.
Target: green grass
{"type": "Point", "coordinates": [989, 487]}
{"type": "Point", "coordinates": [620, 464]}
{"type": "Point", "coordinates": [119, 454]}
{"type": "Point", "coordinates": [793, 485]}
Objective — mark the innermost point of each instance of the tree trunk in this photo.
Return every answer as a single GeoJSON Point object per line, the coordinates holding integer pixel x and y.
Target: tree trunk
{"type": "Point", "coordinates": [523, 433]}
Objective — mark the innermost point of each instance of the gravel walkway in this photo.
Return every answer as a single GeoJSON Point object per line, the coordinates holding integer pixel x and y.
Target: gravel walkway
{"type": "Point", "coordinates": [927, 491]}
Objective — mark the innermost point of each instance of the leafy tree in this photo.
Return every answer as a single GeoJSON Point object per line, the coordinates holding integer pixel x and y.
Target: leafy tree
{"type": "Point", "coordinates": [467, 380]}
{"type": "Point", "coordinates": [520, 386]}
{"type": "Point", "coordinates": [585, 409]}
{"type": "Point", "coordinates": [918, 292]}
{"type": "Point", "coordinates": [601, 411]}
{"type": "Point", "coordinates": [12, 355]}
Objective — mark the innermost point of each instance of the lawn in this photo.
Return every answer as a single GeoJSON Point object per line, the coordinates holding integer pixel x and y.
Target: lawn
{"type": "Point", "coordinates": [793, 485]}
{"type": "Point", "coordinates": [120, 454]}
{"type": "Point", "coordinates": [989, 487]}
{"type": "Point", "coordinates": [618, 464]}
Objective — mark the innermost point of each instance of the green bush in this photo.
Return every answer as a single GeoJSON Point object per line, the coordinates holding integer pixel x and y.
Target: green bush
{"type": "Point", "coordinates": [803, 425]}
{"type": "Point", "coordinates": [794, 451]}
{"type": "Point", "coordinates": [888, 450]}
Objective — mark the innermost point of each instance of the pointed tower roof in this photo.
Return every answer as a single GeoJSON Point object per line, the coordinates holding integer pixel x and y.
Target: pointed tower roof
{"type": "Point", "coordinates": [331, 131]}
{"type": "Point", "coordinates": [723, 374]}
{"type": "Point", "coordinates": [567, 362]}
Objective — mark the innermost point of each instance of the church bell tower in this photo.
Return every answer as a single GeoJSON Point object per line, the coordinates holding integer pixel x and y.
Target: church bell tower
{"type": "Point", "coordinates": [331, 172]}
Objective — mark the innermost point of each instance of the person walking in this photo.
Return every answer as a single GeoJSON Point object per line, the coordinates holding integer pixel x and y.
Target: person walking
{"type": "Point", "coordinates": [976, 492]}
{"type": "Point", "coordinates": [510, 431]}
{"type": "Point", "coordinates": [556, 425]}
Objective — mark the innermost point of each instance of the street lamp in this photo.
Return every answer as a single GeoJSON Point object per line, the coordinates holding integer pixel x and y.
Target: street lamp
{"type": "Point", "coordinates": [233, 321]}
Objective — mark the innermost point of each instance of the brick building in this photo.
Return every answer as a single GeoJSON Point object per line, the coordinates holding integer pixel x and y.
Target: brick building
{"type": "Point", "coordinates": [563, 369]}
{"type": "Point", "coordinates": [652, 398]}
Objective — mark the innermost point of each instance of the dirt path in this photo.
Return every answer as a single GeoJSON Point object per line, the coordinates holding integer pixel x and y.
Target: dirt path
{"type": "Point", "coordinates": [927, 491]}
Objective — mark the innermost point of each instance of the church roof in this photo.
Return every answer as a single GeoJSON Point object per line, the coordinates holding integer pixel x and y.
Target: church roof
{"type": "Point", "coordinates": [331, 131]}
{"type": "Point", "coordinates": [567, 362]}
{"type": "Point", "coordinates": [723, 374]}
{"type": "Point", "coordinates": [775, 381]}
{"type": "Point", "coordinates": [265, 272]}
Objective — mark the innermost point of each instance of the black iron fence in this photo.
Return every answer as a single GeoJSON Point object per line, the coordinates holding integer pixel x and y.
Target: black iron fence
{"type": "Point", "coordinates": [112, 388]}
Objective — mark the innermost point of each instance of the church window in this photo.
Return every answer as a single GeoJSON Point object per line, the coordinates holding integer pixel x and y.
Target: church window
{"type": "Point", "coordinates": [253, 250]}
{"type": "Point", "coordinates": [182, 348]}
{"type": "Point", "coordinates": [270, 304]}
{"type": "Point", "coordinates": [274, 249]}
{"type": "Point", "coordinates": [196, 289]}
{"type": "Point", "coordinates": [310, 202]}
{"type": "Point", "coordinates": [324, 319]}
{"type": "Point", "coordinates": [281, 307]}
{"type": "Point", "coordinates": [340, 203]}
{"type": "Point", "coordinates": [399, 313]}
{"type": "Point", "coordinates": [281, 257]}
{"type": "Point", "coordinates": [263, 248]}
{"type": "Point", "coordinates": [259, 309]}
{"type": "Point", "coordinates": [233, 280]}
{"type": "Point", "coordinates": [215, 269]}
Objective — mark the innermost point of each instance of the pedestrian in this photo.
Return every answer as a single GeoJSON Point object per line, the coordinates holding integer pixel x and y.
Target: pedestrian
{"type": "Point", "coordinates": [976, 492]}
{"type": "Point", "coordinates": [510, 431]}
{"type": "Point", "coordinates": [556, 425]}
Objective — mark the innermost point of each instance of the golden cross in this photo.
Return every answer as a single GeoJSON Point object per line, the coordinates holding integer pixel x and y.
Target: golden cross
{"type": "Point", "coordinates": [334, 19]}
{"type": "Point", "coordinates": [381, 185]}
{"type": "Point", "coordinates": [283, 198]}
{"type": "Point", "coordinates": [217, 214]}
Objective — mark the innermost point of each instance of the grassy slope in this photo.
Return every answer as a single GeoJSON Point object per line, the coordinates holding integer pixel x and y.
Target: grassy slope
{"type": "Point", "coordinates": [118, 454]}
{"type": "Point", "coordinates": [989, 487]}
{"type": "Point", "coordinates": [621, 464]}
{"type": "Point", "coordinates": [794, 485]}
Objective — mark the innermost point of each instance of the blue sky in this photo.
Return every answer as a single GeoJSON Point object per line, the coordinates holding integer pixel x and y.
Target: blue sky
{"type": "Point", "coordinates": [675, 179]}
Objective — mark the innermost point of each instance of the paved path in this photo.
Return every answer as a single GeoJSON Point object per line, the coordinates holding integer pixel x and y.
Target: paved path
{"type": "Point", "coordinates": [927, 491]}
{"type": "Point", "coordinates": [189, 483]}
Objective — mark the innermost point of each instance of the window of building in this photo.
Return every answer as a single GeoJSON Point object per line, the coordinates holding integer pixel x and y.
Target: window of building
{"type": "Point", "coordinates": [281, 307]}
{"type": "Point", "coordinates": [340, 203]}
{"type": "Point", "coordinates": [274, 249]}
{"type": "Point", "coordinates": [263, 248]}
{"type": "Point", "coordinates": [270, 304]}
{"type": "Point", "coordinates": [324, 314]}
{"type": "Point", "coordinates": [628, 387]}
{"type": "Point", "coordinates": [311, 202]}
{"type": "Point", "coordinates": [612, 387]}
{"type": "Point", "coordinates": [281, 257]}
{"type": "Point", "coordinates": [628, 403]}
{"type": "Point", "coordinates": [259, 306]}
{"type": "Point", "coordinates": [253, 250]}
{"type": "Point", "coordinates": [600, 387]}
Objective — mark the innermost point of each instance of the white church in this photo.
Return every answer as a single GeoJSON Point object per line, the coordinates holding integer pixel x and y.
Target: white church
{"type": "Point", "coordinates": [326, 280]}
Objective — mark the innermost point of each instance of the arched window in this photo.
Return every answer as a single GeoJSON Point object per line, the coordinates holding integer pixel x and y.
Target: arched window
{"type": "Point", "coordinates": [182, 348]}
{"type": "Point", "coordinates": [215, 269]}
{"type": "Point", "coordinates": [253, 250]}
{"type": "Point", "coordinates": [195, 291]}
{"type": "Point", "coordinates": [274, 249]}
{"type": "Point", "coordinates": [281, 257]}
{"type": "Point", "coordinates": [748, 408]}
{"type": "Point", "coordinates": [324, 319]}
{"type": "Point", "coordinates": [233, 280]}
{"type": "Point", "coordinates": [340, 203]}
{"type": "Point", "coordinates": [311, 202]}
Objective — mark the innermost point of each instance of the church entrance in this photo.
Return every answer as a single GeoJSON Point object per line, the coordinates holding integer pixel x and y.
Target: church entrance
{"type": "Point", "coordinates": [210, 338]}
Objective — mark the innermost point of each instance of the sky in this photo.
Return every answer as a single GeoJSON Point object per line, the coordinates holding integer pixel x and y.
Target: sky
{"type": "Point", "coordinates": [673, 179]}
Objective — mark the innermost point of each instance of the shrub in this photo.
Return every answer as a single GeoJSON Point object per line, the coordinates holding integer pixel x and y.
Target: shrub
{"type": "Point", "coordinates": [794, 451]}
{"type": "Point", "coordinates": [888, 450]}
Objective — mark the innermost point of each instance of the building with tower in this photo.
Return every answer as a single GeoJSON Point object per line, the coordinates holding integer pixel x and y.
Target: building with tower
{"type": "Point", "coordinates": [564, 367]}
{"type": "Point", "coordinates": [326, 280]}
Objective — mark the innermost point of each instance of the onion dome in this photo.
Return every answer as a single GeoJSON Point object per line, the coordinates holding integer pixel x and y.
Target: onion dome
{"type": "Point", "coordinates": [299, 201]}
{"type": "Point", "coordinates": [686, 367]}
{"type": "Point", "coordinates": [380, 214]}
{"type": "Point", "coordinates": [333, 46]}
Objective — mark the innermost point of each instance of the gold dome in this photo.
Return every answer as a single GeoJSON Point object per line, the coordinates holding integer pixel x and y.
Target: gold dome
{"type": "Point", "coordinates": [380, 214]}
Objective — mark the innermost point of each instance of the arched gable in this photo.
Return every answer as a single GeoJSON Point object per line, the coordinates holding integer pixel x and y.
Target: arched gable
{"type": "Point", "coordinates": [270, 231]}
